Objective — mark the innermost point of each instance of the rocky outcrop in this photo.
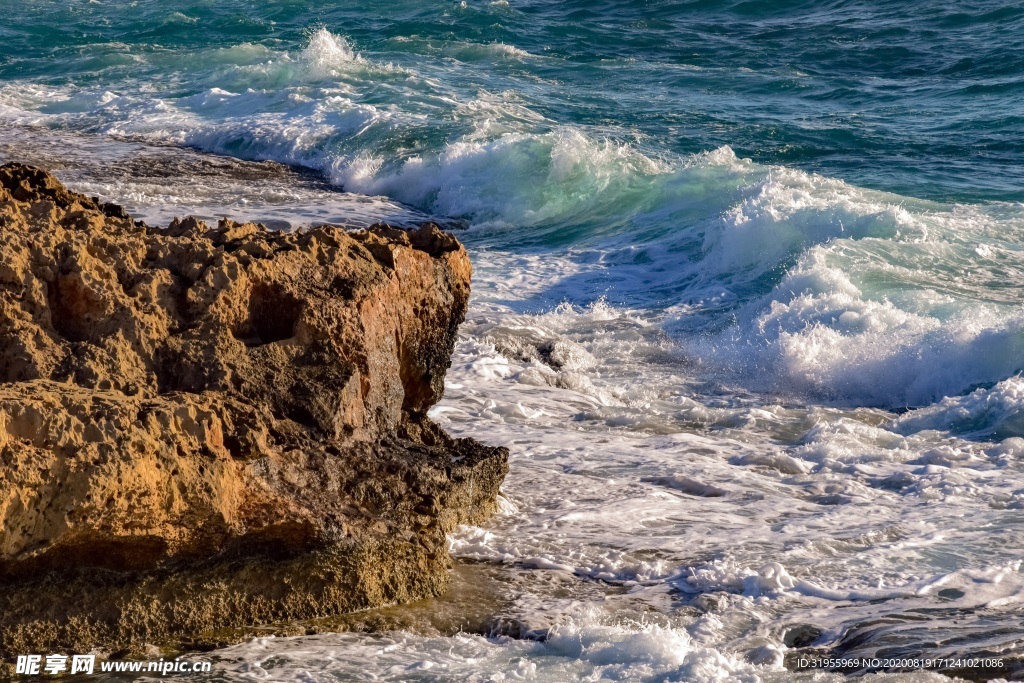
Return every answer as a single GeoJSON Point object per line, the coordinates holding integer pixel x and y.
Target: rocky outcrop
{"type": "Point", "coordinates": [205, 428]}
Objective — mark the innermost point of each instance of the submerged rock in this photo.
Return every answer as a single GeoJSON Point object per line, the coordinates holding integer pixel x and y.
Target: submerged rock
{"type": "Point", "coordinates": [209, 428]}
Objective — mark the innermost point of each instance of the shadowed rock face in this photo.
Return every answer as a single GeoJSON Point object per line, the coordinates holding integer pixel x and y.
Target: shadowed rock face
{"type": "Point", "coordinates": [202, 428]}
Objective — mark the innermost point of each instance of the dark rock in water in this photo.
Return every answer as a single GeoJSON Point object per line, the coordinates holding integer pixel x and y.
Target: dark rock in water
{"type": "Point", "coordinates": [801, 635]}
{"type": "Point", "coordinates": [207, 428]}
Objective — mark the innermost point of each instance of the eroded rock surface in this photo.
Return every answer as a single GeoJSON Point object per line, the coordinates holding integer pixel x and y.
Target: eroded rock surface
{"type": "Point", "coordinates": [203, 428]}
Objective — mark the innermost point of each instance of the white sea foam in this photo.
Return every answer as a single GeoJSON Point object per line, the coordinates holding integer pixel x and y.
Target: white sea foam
{"type": "Point", "coordinates": [851, 314]}
{"type": "Point", "coordinates": [997, 413]}
{"type": "Point", "coordinates": [585, 648]}
{"type": "Point", "coordinates": [776, 511]}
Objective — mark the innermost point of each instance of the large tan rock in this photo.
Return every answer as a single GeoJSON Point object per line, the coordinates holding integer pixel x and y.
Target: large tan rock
{"type": "Point", "coordinates": [203, 428]}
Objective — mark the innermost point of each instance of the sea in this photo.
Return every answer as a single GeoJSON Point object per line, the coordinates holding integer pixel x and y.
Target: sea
{"type": "Point", "coordinates": [746, 303]}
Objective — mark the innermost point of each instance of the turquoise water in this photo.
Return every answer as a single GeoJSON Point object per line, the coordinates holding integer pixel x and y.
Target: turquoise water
{"type": "Point", "coordinates": [746, 301]}
{"type": "Point", "coordinates": [915, 98]}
